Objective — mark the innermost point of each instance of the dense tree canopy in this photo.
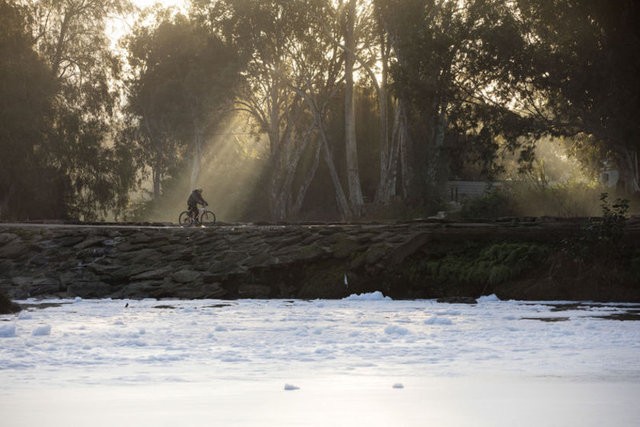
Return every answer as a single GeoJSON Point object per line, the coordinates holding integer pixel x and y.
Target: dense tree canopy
{"type": "Point", "coordinates": [26, 95]}
{"type": "Point", "coordinates": [184, 79]}
{"type": "Point", "coordinates": [362, 104]}
{"type": "Point", "coordinates": [585, 61]}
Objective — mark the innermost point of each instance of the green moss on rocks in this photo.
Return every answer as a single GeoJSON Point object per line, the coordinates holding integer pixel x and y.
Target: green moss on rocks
{"type": "Point", "coordinates": [491, 265]}
{"type": "Point", "coordinates": [471, 269]}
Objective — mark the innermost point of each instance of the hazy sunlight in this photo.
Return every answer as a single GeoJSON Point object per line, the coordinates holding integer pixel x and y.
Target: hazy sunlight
{"type": "Point", "coordinates": [117, 27]}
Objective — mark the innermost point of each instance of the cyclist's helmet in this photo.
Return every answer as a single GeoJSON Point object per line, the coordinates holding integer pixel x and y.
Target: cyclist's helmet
{"type": "Point", "coordinates": [199, 190]}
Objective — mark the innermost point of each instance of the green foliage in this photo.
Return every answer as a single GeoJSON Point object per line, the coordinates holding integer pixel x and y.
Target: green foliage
{"type": "Point", "coordinates": [57, 110]}
{"type": "Point", "coordinates": [73, 42]}
{"type": "Point", "coordinates": [29, 188]}
{"type": "Point", "coordinates": [614, 219]}
{"type": "Point", "coordinates": [577, 47]}
{"type": "Point", "coordinates": [491, 265]}
{"type": "Point", "coordinates": [601, 236]}
{"type": "Point", "coordinates": [466, 81]}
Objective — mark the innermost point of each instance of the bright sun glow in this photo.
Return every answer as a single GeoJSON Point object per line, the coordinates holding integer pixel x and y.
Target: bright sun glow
{"type": "Point", "coordinates": [118, 27]}
{"type": "Point", "coordinates": [166, 3]}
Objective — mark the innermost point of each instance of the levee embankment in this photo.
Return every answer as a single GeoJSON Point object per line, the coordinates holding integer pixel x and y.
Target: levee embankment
{"type": "Point", "coordinates": [535, 259]}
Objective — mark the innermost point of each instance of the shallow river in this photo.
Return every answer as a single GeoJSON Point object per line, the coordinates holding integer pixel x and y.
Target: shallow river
{"type": "Point", "coordinates": [362, 361]}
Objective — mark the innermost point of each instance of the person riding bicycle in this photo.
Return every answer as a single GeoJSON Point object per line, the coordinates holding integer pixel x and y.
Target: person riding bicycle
{"type": "Point", "coordinates": [192, 203]}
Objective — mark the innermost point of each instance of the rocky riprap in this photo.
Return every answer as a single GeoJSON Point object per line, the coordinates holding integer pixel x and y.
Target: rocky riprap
{"type": "Point", "coordinates": [241, 261]}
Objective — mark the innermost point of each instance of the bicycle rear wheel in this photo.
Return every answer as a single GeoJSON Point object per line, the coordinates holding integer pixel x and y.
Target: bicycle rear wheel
{"type": "Point", "coordinates": [184, 219]}
{"type": "Point", "coordinates": [207, 218]}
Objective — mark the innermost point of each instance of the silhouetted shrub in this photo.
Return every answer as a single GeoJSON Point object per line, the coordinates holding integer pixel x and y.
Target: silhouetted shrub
{"type": "Point", "coordinates": [601, 236]}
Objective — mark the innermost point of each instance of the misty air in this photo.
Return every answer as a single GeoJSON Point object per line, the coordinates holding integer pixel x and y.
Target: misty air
{"type": "Point", "coordinates": [319, 212]}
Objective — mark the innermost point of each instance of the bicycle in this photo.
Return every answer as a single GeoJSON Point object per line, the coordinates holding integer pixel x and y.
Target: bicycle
{"type": "Point", "coordinates": [204, 217]}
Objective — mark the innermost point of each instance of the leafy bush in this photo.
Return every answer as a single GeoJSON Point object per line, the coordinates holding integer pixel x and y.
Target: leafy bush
{"type": "Point", "coordinates": [614, 219]}
{"type": "Point", "coordinates": [601, 236]}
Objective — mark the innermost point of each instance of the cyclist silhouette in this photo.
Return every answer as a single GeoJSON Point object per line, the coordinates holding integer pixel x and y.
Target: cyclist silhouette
{"type": "Point", "coordinates": [194, 199]}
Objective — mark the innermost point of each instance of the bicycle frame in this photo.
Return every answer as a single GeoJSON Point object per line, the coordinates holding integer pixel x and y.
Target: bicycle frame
{"type": "Point", "coordinates": [203, 216]}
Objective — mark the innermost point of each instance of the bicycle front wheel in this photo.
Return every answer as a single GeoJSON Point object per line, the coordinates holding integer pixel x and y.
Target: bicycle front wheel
{"type": "Point", "coordinates": [184, 219]}
{"type": "Point", "coordinates": [207, 218]}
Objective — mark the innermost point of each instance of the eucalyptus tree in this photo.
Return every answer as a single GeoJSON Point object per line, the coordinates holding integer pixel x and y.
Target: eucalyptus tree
{"type": "Point", "coordinates": [26, 92]}
{"type": "Point", "coordinates": [351, 145]}
{"type": "Point", "coordinates": [183, 82]}
{"type": "Point", "coordinates": [70, 36]}
{"type": "Point", "coordinates": [457, 67]}
{"type": "Point", "coordinates": [259, 31]}
{"type": "Point", "coordinates": [585, 60]}
{"type": "Point", "coordinates": [280, 40]}
{"type": "Point", "coordinates": [364, 42]}
{"type": "Point", "coordinates": [319, 61]}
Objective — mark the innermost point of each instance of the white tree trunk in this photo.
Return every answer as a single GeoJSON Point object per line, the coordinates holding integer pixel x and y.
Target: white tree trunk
{"type": "Point", "coordinates": [306, 182]}
{"type": "Point", "coordinates": [157, 178]}
{"type": "Point", "coordinates": [196, 161]}
{"type": "Point", "coordinates": [353, 175]}
{"type": "Point", "coordinates": [341, 199]}
{"type": "Point", "coordinates": [388, 147]}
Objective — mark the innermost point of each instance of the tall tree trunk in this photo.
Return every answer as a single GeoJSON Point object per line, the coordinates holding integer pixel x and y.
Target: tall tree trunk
{"type": "Point", "coordinates": [434, 166]}
{"type": "Point", "coordinates": [405, 148]}
{"type": "Point", "coordinates": [389, 163]}
{"type": "Point", "coordinates": [274, 114]}
{"type": "Point", "coordinates": [318, 123]}
{"type": "Point", "coordinates": [157, 178]}
{"type": "Point", "coordinates": [157, 166]}
{"type": "Point", "coordinates": [341, 198]}
{"type": "Point", "coordinates": [353, 175]}
{"type": "Point", "coordinates": [5, 203]}
{"type": "Point", "coordinates": [278, 196]}
{"type": "Point", "coordinates": [296, 207]}
{"type": "Point", "coordinates": [388, 146]}
{"type": "Point", "coordinates": [285, 161]}
{"type": "Point", "coordinates": [196, 160]}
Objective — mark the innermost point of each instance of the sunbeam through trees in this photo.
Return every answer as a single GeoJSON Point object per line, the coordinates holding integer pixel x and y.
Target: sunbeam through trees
{"type": "Point", "coordinates": [314, 110]}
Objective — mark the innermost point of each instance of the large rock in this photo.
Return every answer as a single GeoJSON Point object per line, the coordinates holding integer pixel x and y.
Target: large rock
{"type": "Point", "coordinates": [154, 273]}
{"type": "Point", "coordinates": [7, 237]}
{"type": "Point", "coordinates": [6, 305]}
{"type": "Point", "coordinates": [186, 276]}
{"type": "Point", "coordinates": [14, 249]}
